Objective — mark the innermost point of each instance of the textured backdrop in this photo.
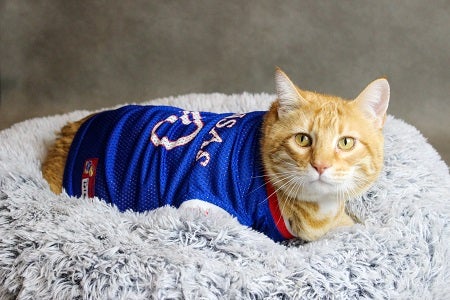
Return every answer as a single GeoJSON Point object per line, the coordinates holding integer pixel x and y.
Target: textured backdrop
{"type": "Point", "coordinates": [58, 56]}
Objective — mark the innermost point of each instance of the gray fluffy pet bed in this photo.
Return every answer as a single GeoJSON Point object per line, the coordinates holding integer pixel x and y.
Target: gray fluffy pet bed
{"type": "Point", "coordinates": [58, 247]}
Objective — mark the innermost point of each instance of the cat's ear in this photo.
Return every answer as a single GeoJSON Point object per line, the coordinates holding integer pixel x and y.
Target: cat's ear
{"type": "Point", "coordinates": [374, 100]}
{"type": "Point", "coordinates": [288, 96]}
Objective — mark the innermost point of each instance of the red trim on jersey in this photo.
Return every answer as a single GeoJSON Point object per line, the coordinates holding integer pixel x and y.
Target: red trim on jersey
{"type": "Point", "coordinates": [88, 177]}
{"type": "Point", "coordinates": [276, 212]}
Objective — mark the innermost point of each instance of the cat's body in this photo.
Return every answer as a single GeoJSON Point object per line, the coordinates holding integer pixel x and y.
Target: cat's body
{"type": "Point", "coordinates": [316, 151]}
{"type": "Point", "coordinates": [143, 157]}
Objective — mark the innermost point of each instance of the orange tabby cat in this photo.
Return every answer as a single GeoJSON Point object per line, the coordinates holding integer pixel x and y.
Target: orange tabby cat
{"type": "Point", "coordinates": [318, 151]}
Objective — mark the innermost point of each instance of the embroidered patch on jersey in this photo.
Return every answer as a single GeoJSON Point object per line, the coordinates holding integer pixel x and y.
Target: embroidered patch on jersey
{"type": "Point", "coordinates": [88, 177]}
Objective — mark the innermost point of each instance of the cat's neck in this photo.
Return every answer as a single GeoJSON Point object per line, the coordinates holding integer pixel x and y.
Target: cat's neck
{"type": "Point", "coordinates": [310, 220]}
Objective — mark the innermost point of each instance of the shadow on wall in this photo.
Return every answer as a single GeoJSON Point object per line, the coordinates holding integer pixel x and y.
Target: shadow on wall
{"type": "Point", "coordinates": [61, 56]}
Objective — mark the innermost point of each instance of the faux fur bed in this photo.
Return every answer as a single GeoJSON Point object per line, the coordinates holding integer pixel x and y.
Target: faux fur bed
{"type": "Point", "coordinates": [57, 247]}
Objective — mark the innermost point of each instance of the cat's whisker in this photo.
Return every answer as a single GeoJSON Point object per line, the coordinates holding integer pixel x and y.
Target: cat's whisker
{"type": "Point", "coordinates": [274, 182]}
{"type": "Point", "coordinates": [284, 176]}
{"type": "Point", "coordinates": [299, 187]}
{"type": "Point", "coordinates": [278, 173]}
{"type": "Point", "coordinates": [280, 219]}
{"type": "Point", "coordinates": [352, 192]}
{"type": "Point", "coordinates": [341, 193]}
{"type": "Point", "coordinates": [278, 189]}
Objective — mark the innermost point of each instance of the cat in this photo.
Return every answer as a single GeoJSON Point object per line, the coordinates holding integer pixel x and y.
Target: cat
{"type": "Point", "coordinates": [286, 172]}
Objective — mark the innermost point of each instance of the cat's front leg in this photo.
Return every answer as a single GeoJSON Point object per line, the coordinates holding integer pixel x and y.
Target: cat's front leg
{"type": "Point", "coordinates": [345, 221]}
{"type": "Point", "coordinates": [203, 207]}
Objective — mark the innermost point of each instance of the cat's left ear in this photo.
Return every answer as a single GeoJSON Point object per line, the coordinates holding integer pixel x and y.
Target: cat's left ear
{"type": "Point", "coordinates": [374, 100]}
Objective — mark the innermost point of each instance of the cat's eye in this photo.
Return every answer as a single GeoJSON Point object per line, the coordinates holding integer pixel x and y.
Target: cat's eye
{"type": "Point", "coordinates": [303, 140]}
{"type": "Point", "coordinates": [346, 143]}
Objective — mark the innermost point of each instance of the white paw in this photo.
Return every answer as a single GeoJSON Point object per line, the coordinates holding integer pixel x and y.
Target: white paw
{"type": "Point", "coordinates": [202, 207]}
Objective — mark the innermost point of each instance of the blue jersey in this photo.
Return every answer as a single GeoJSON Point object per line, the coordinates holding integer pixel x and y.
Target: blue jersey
{"type": "Point", "coordinates": [145, 157]}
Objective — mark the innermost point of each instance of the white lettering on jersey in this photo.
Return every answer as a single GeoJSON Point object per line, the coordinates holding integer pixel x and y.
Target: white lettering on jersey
{"type": "Point", "coordinates": [202, 155]}
{"type": "Point", "coordinates": [85, 188]}
{"type": "Point", "coordinates": [183, 140]}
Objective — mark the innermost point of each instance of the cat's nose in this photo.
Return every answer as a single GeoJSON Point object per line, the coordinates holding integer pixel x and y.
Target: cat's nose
{"type": "Point", "coordinates": [320, 167]}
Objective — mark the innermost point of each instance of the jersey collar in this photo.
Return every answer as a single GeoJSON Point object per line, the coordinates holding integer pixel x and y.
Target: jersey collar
{"type": "Point", "coordinates": [282, 225]}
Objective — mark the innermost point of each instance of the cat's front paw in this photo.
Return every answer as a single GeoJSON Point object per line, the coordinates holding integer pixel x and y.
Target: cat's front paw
{"type": "Point", "coordinates": [203, 207]}
{"type": "Point", "coordinates": [345, 221]}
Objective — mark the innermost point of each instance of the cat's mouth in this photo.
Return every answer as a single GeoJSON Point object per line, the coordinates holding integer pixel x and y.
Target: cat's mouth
{"type": "Point", "coordinates": [322, 180]}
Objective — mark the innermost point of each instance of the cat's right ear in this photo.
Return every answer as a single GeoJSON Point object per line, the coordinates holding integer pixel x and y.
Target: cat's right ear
{"type": "Point", "coordinates": [288, 96]}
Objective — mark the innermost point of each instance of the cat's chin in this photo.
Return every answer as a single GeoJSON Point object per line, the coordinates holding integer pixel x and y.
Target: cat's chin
{"type": "Point", "coordinates": [318, 191]}
{"type": "Point", "coordinates": [323, 189]}
{"type": "Point", "coordinates": [312, 188]}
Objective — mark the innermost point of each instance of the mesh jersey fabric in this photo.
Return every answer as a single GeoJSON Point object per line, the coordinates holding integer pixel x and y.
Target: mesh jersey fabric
{"type": "Point", "coordinates": [144, 157]}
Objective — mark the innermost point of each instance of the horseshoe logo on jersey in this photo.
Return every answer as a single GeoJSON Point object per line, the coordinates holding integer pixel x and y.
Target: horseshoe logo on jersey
{"type": "Point", "coordinates": [183, 140]}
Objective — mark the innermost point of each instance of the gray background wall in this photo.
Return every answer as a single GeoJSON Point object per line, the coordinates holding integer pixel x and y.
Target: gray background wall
{"type": "Point", "coordinates": [58, 56]}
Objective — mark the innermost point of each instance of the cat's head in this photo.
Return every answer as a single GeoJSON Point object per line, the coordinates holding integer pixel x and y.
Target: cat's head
{"type": "Point", "coordinates": [317, 147]}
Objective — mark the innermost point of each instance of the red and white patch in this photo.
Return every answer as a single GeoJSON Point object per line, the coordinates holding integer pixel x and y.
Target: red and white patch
{"type": "Point", "coordinates": [88, 177]}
